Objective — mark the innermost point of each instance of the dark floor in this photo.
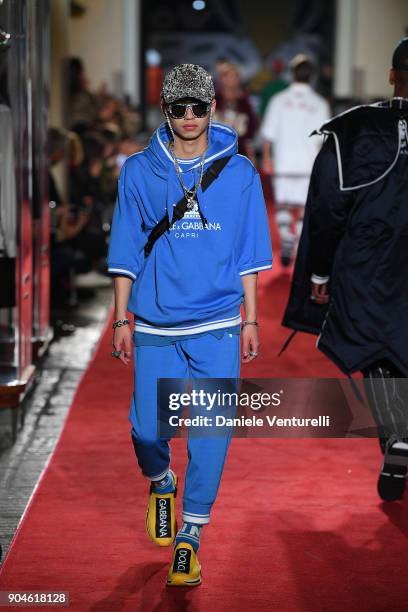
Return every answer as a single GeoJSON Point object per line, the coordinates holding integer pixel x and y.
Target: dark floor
{"type": "Point", "coordinates": [46, 407]}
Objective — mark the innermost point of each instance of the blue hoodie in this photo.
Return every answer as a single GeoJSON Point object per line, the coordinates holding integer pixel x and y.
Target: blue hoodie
{"type": "Point", "coordinates": [191, 281]}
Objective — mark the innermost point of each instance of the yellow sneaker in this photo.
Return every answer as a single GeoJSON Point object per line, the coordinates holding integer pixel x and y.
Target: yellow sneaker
{"type": "Point", "coordinates": [161, 523]}
{"type": "Point", "coordinates": [185, 569]}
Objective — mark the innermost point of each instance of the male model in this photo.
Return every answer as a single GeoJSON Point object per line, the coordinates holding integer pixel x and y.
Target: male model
{"type": "Point", "coordinates": [289, 153]}
{"type": "Point", "coordinates": [189, 235]}
{"type": "Point", "coordinates": [353, 251]}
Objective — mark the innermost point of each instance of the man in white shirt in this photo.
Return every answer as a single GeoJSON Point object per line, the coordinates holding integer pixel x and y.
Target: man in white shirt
{"type": "Point", "coordinates": [288, 153]}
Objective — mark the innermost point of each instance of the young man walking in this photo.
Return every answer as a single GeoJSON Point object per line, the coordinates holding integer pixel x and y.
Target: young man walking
{"type": "Point", "coordinates": [185, 283]}
{"type": "Point", "coordinates": [289, 153]}
{"type": "Point", "coordinates": [350, 279]}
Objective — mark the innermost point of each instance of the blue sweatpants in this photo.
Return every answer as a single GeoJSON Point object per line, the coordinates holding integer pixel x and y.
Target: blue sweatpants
{"type": "Point", "coordinates": [201, 357]}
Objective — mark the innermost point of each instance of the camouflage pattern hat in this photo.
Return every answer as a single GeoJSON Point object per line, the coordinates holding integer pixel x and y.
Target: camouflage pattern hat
{"type": "Point", "coordinates": [187, 81]}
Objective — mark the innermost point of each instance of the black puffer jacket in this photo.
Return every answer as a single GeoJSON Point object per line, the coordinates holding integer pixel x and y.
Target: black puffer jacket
{"type": "Point", "coordinates": [356, 231]}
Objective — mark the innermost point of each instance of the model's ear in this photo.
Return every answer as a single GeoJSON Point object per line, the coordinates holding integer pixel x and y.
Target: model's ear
{"type": "Point", "coordinates": [213, 106]}
{"type": "Point", "coordinates": [391, 77]}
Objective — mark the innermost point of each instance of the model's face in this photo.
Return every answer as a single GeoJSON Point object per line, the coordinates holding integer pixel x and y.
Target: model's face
{"type": "Point", "coordinates": [189, 126]}
{"type": "Point", "coordinates": [231, 79]}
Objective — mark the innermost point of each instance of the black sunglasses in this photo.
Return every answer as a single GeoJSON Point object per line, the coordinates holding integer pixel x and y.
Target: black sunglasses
{"type": "Point", "coordinates": [178, 110]}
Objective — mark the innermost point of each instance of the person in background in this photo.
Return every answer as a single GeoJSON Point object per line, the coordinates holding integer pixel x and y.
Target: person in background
{"type": "Point", "coordinates": [82, 104]}
{"type": "Point", "coordinates": [111, 135]}
{"type": "Point", "coordinates": [234, 108]}
{"type": "Point", "coordinates": [276, 85]}
{"type": "Point", "coordinates": [105, 128]}
{"type": "Point", "coordinates": [65, 225]}
{"type": "Point", "coordinates": [352, 265]}
{"type": "Point", "coordinates": [87, 193]}
{"type": "Point", "coordinates": [288, 153]}
{"type": "Point", "coordinates": [128, 147]}
{"type": "Point", "coordinates": [75, 150]}
{"type": "Point", "coordinates": [109, 115]}
{"type": "Point", "coordinates": [222, 65]}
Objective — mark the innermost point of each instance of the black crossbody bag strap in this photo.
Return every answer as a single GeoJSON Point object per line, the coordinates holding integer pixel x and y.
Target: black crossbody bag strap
{"type": "Point", "coordinates": [180, 208]}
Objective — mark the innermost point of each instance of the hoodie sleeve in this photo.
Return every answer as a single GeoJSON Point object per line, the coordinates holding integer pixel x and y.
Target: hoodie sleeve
{"type": "Point", "coordinates": [125, 254]}
{"type": "Point", "coordinates": [254, 247]}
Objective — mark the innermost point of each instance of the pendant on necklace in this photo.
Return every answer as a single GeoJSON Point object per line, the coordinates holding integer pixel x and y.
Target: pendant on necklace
{"type": "Point", "coordinates": [190, 202]}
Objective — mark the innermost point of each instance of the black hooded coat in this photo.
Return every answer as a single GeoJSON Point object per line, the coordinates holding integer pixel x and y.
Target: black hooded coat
{"type": "Point", "coordinates": [356, 232]}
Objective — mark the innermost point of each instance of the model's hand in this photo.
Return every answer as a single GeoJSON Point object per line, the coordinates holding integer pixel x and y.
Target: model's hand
{"type": "Point", "coordinates": [319, 293]}
{"type": "Point", "coordinates": [122, 341]}
{"type": "Point", "coordinates": [250, 343]}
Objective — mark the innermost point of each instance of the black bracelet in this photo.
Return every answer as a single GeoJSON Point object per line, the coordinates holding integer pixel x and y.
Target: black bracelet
{"type": "Point", "coordinates": [249, 323]}
{"type": "Point", "coordinates": [120, 322]}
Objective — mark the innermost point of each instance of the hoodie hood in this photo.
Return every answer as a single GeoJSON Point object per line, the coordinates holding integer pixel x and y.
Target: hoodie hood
{"type": "Point", "coordinates": [368, 141]}
{"type": "Point", "coordinates": [223, 141]}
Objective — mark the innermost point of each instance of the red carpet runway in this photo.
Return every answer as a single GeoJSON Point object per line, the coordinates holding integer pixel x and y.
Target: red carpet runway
{"type": "Point", "coordinates": [297, 525]}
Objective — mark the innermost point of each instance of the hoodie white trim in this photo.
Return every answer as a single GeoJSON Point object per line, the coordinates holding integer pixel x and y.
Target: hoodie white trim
{"type": "Point", "coordinates": [379, 178]}
{"type": "Point", "coordinates": [322, 131]}
{"type": "Point", "coordinates": [122, 271]}
{"type": "Point", "coordinates": [192, 329]}
{"type": "Point", "coordinates": [212, 157]}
